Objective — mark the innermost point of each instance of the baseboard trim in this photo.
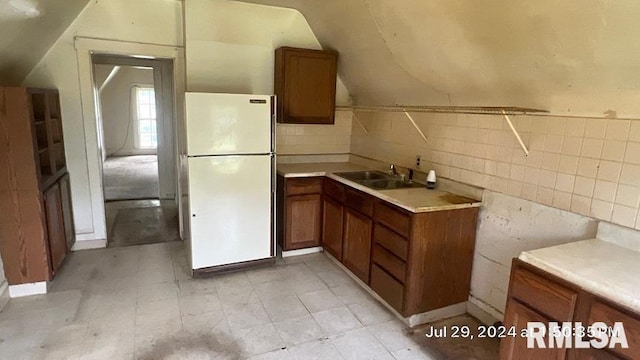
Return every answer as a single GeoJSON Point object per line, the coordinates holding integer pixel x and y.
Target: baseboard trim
{"type": "Point", "coordinates": [4, 294]}
{"type": "Point", "coordinates": [89, 244]}
{"type": "Point", "coordinates": [483, 312]}
{"type": "Point", "coordinates": [28, 289]}
{"type": "Point", "coordinates": [299, 252]}
{"type": "Point", "coordinates": [437, 314]}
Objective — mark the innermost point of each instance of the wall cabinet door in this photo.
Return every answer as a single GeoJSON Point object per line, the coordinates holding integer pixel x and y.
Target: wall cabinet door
{"type": "Point", "coordinates": [55, 227]}
{"type": "Point", "coordinates": [305, 83]}
{"type": "Point", "coordinates": [67, 211]}
{"type": "Point", "coordinates": [357, 243]}
{"type": "Point", "coordinates": [304, 221]}
{"type": "Point", "coordinates": [332, 227]}
{"type": "Point", "coordinates": [515, 348]}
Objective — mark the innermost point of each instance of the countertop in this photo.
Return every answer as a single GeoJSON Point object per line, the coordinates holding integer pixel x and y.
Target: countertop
{"type": "Point", "coordinates": [600, 267]}
{"type": "Point", "coordinates": [416, 200]}
{"type": "Point", "coordinates": [316, 169]}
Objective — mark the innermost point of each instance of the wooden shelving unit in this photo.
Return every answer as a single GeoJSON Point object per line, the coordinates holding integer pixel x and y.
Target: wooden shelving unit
{"type": "Point", "coordinates": [36, 220]}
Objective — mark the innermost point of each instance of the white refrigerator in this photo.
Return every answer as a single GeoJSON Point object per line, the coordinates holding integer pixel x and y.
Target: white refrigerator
{"type": "Point", "coordinates": [231, 178]}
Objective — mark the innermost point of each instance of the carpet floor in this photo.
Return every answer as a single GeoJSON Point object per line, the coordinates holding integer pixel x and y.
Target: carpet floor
{"type": "Point", "coordinates": [131, 177]}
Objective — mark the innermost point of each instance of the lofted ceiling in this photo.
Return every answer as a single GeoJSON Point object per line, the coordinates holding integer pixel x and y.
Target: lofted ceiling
{"type": "Point", "coordinates": [29, 28]}
{"type": "Point", "coordinates": [571, 56]}
{"type": "Point", "coordinates": [576, 57]}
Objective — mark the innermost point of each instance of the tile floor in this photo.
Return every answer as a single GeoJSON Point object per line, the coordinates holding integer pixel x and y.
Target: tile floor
{"type": "Point", "coordinates": [138, 302]}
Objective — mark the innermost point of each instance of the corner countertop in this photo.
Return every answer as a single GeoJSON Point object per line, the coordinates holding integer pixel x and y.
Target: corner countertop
{"type": "Point", "coordinates": [416, 200]}
{"type": "Point", "coordinates": [600, 267]}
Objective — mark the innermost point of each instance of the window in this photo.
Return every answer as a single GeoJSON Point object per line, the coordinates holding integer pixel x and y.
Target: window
{"type": "Point", "coordinates": [146, 111]}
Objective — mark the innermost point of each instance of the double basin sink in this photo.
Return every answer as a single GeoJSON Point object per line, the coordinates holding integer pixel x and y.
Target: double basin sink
{"type": "Point", "coordinates": [378, 180]}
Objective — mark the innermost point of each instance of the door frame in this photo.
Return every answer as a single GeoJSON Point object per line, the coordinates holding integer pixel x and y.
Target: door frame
{"type": "Point", "coordinates": [85, 49]}
{"type": "Point", "coordinates": [163, 88]}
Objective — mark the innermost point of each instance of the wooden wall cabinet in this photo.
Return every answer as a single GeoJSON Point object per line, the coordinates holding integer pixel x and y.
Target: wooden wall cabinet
{"type": "Point", "coordinates": [535, 295]}
{"type": "Point", "coordinates": [36, 220]}
{"type": "Point", "coordinates": [305, 85]}
{"type": "Point", "coordinates": [299, 212]}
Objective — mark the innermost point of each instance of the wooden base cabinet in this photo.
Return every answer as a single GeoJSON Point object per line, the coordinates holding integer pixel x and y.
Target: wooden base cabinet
{"type": "Point", "coordinates": [332, 226]}
{"type": "Point", "coordinates": [36, 220]}
{"type": "Point", "coordinates": [535, 295]}
{"type": "Point", "coordinates": [356, 255]}
{"type": "Point", "coordinates": [415, 262]}
{"type": "Point", "coordinates": [299, 212]}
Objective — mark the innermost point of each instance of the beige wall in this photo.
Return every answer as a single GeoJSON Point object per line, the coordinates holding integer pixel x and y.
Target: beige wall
{"type": "Point", "coordinates": [578, 171]}
{"type": "Point", "coordinates": [137, 22]}
{"type": "Point", "coordinates": [230, 48]}
{"type": "Point", "coordinates": [119, 111]}
{"type": "Point", "coordinates": [571, 57]}
{"type": "Point", "coordinates": [230, 45]}
{"type": "Point", "coordinates": [315, 139]}
{"type": "Point", "coordinates": [587, 166]}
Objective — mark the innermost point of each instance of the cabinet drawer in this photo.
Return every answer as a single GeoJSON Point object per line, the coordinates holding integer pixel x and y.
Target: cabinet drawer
{"type": "Point", "coordinates": [609, 315]}
{"type": "Point", "coordinates": [333, 189]}
{"type": "Point", "coordinates": [359, 201]}
{"type": "Point", "coordinates": [389, 262]}
{"type": "Point", "coordinates": [299, 186]}
{"type": "Point", "coordinates": [387, 287]}
{"type": "Point", "coordinates": [391, 241]}
{"type": "Point", "coordinates": [393, 218]}
{"type": "Point", "coordinates": [551, 299]}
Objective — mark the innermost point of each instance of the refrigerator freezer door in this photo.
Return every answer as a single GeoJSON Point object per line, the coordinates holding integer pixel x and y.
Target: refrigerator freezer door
{"type": "Point", "coordinates": [231, 210]}
{"type": "Point", "coordinates": [224, 124]}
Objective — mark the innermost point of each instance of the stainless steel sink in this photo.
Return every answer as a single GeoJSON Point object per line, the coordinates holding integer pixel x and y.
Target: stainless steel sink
{"type": "Point", "coordinates": [390, 184]}
{"type": "Point", "coordinates": [364, 175]}
{"type": "Point", "coordinates": [378, 180]}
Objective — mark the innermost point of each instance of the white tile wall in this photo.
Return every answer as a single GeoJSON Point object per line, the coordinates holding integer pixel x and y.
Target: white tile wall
{"type": "Point", "coordinates": [585, 165]}
{"type": "Point", "coordinates": [292, 139]}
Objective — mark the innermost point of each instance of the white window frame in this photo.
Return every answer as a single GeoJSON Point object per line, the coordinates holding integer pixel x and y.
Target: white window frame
{"type": "Point", "coordinates": [137, 118]}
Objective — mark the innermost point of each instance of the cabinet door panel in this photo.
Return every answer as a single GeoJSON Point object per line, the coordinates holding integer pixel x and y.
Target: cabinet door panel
{"type": "Point", "coordinates": [332, 227]}
{"type": "Point", "coordinates": [67, 211]}
{"type": "Point", "coordinates": [548, 297]}
{"type": "Point", "coordinates": [594, 354]}
{"type": "Point", "coordinates": [515, 348]}
{"type": "Point", "coordinates": [357, 243]}
{"type": "Point", "coordinates": [304, 221]}
{"type": "Point", "coordinates": [601, 312]}
{"type": "Point", "coordinates": [55, 227]}
{"type": "Point", "coordinates": [305, 83]}
{"type": "Point", "coordinates": [387, 287]}
{"type": "Point", "coordinates": [311, 85]}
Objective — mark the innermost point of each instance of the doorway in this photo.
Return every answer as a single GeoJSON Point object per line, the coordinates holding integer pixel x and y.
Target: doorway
{"type": "Point", "coordinates": [134, 107]}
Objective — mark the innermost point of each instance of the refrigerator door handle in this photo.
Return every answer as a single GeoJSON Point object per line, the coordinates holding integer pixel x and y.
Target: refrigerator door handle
{"type": "Point", "coordinates": [274, 106]}
{"type": "Point", "coordinates": [274, 175]}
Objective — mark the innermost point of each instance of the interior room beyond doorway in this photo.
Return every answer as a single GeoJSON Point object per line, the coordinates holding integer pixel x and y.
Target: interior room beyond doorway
{"type": "Point", "coordinates": [130, 112]}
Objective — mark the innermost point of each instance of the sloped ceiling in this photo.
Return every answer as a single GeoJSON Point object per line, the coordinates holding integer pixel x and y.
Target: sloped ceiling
{"type": "Point", "coordinates": [29, 28]}
{"type": "Point", "coordinates": [571, 56]}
